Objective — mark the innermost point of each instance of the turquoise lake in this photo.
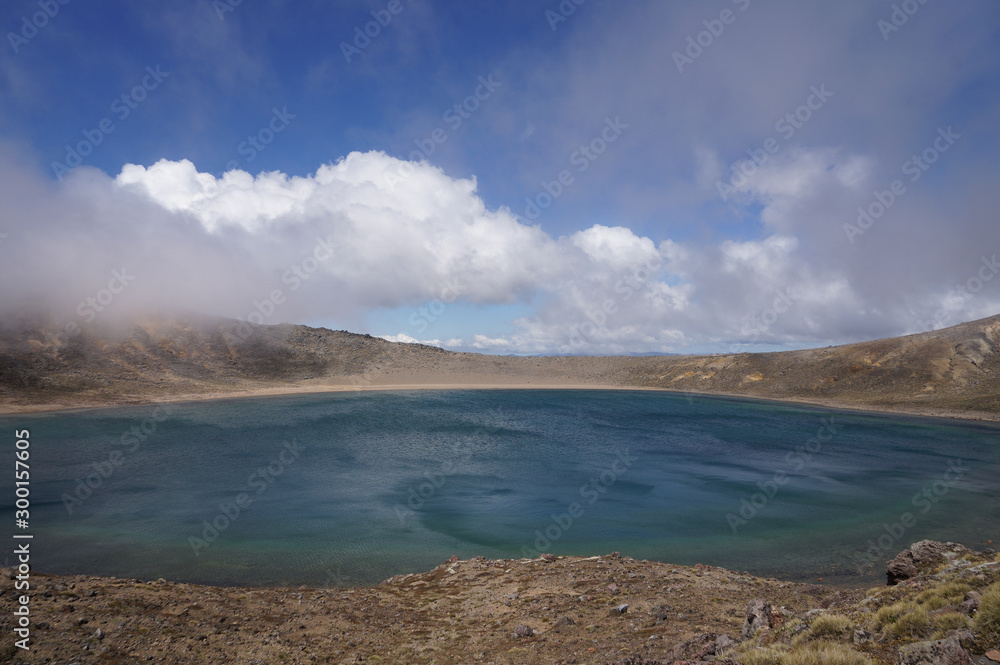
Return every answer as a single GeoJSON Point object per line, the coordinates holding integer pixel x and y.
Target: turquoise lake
{"type": "Point", "coordinates": [344, 489]}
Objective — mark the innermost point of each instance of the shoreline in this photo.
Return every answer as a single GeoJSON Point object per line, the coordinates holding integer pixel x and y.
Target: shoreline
{"type": "Point", "coordinates": [851, 583]}
{"type": "Point", "coordinates": [9, 409]}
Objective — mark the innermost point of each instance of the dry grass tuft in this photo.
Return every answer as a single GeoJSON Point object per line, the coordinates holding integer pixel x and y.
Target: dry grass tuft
{"type": "Point", "coordinates": [832, 626]}
{"type": "Point", "coordinates": [813, 653]}
{"type": "Point", "coordinates": [988, 617]}
{"type": "Point", "coordinates": [902, 620]}
{"type": "Point", "coordinates": [949, 593]}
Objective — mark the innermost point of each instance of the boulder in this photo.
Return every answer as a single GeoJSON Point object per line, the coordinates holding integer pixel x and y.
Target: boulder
{"type": "Point", "coordinates": [661, 612]}
{"type": "Point", "coordinates": [948, 651]}
{"type": "Point", "coordinates": [724, 643]}
{"type": "Point", "coordinates": [758, 616]}
{"type": "Point", "coordinates": [562, 622]}
{"type": "Point", "coordinates": [696, 648]}
{"type": "Point", "coordinates": [702, 647]}
{"type": "Point", "coordinates": [918, 559]}
{"type": "Point", "coordinates": [524, 630]}
{"type": "Point", "coordinates": [970, 603]}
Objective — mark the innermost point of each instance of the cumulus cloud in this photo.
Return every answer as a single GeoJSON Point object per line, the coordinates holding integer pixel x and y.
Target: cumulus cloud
{"type": "Point", "coordinates": [371, 231]}
{"type": "Point", "coordinates": [332, 242]}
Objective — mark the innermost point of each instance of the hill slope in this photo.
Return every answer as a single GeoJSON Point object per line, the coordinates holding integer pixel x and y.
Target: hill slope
{"type": "Point", "coordinates": [955, 370]}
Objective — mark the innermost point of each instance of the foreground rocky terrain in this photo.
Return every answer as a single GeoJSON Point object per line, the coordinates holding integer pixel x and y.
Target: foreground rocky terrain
{"type": "Point", "coordinates": [953, 371]}
{"type": "Point", "coordinates": [943, 609]}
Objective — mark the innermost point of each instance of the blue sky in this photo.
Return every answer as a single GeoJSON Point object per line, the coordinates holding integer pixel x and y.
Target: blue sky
{"type": "Point", "coordinates": [255, 128]}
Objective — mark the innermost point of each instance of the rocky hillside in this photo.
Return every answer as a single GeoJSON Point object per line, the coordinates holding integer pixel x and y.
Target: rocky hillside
{"type": "Point", "coordinates": [954, 370]}
{"type": "Point", "coordinates": [943, 610]}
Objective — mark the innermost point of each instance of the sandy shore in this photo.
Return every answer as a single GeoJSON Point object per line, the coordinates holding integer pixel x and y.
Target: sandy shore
{"type": "Point", "coordinates": [475, 383]}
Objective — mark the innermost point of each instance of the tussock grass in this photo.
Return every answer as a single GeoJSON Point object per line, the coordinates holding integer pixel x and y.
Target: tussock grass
{"type": "Point", "coordinates": [901, 615]}
{"type": "Point", "coordinates": [912, 625]}
{"type": "Point", "coordinates": [760, 656]}
{"type": "Point", "coordinates": [890, 613]}
{"type": "Point", "coordinates": [833, 626]}
{"type": "Point", "coordinates": [949, 621]}
{"type": "Point", "coordinates": [949, 593]}
{"type": "Point", "coordinates": [988, 617]}
{"type": "Point", "coordinates": [903, 620]}
{"type": "Point", "coordinates": [813, 653]}
{"type": "Point", "coordinates": [827, 653]}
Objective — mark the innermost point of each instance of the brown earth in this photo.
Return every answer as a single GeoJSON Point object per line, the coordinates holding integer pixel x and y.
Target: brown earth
{"type": "Point", "coordinates": [473, 611]}
{"type": "Point", "coordinates": [949, 372]}
{"type": "Point", "coordinates": [460, 612]}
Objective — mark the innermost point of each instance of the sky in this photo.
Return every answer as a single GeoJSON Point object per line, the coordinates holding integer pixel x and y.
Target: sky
{"type": "Point", "coordinates": [544, 177]}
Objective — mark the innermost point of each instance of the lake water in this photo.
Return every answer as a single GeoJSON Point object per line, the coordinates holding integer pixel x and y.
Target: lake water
{"type": "Point", "coordinates": [351, 488]}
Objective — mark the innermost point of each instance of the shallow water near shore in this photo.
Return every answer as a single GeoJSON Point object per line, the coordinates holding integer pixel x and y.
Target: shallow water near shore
{"type": "Point", "coordinates": [348, 489]}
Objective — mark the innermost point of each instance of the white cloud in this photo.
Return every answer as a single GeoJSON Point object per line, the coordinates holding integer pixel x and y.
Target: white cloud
{"type": "Point", "coordinates": [617, 247]}
{"type": "Point", "coordinates": [765, 257]}
{"type": "Point", "coordinates": [347, 240]}
{"type": "Point", "coordinates": [394, 241]}
{"type": "Point", "coordinates": [493, 344]}
{"type": "Point", "coordinates": [337, 243]}
{"type": "Point", "coordinates": [403, 338]}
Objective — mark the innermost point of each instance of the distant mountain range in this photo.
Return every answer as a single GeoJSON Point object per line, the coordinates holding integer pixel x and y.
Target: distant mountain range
{"type": "Point", "coordinates": [953, 371]}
